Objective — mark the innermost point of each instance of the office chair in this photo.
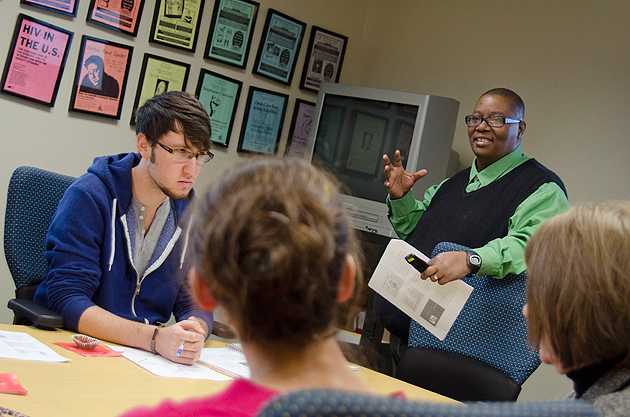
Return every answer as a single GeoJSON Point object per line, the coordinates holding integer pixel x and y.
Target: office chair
{"type": "Point", "coordinates": [333, 403]}
{"type": "Point", "coordinates": [455, 376]}
{"type": "Point", "coordinates": [32, 199]}
{"type": "Point", "coordinates": [491, 327]}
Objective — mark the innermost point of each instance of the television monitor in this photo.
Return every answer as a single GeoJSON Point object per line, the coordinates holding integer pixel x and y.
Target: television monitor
{"type": "Point", "coordinates": [354, 126]}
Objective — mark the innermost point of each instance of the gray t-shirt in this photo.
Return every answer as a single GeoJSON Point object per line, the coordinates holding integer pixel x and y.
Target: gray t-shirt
{"type": "Point", "coordinates": [145, 242]}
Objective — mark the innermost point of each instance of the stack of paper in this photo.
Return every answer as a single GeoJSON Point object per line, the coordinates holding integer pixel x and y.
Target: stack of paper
{"type": "Point", "coordinates": [160, 366]}
{"type": "Point", "coordinates": [19, 345]}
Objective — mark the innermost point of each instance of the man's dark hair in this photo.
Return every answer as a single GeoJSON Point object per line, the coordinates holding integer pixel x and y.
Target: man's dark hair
{"type": "Point", "coordinates": [175, 111]}
{"type": "Point", "coordinates": [517, 102]}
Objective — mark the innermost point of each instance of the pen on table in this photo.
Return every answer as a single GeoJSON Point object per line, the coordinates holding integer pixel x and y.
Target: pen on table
{"type": "Point", "coordinates": [181, 347]}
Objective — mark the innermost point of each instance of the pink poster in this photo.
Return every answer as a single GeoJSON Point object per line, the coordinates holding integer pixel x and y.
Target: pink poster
{"type": "Point", "coordinates": [300, 128]}
{"type": "Point", "coordinates": [101, 77]}
{"type": "Point", "coordinates": [36, 60]}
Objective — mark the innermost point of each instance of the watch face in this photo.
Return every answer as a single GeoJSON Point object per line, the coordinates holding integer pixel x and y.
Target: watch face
{"type": "Point", "coordinates": [474, 259]}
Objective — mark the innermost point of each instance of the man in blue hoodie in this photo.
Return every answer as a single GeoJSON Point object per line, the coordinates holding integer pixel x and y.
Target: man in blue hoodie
{"type": "Point", "coordinates": [117, 243]}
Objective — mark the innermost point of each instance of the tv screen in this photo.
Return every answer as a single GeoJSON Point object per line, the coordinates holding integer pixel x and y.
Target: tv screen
{"type": "Point", "coordinates": [353, 134]}
{"type": "Point", "coordinates": [352, 127]}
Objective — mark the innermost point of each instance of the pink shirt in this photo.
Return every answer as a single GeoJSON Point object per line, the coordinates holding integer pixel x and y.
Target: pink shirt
{"type": "Point", "coordinates": [242, 398]}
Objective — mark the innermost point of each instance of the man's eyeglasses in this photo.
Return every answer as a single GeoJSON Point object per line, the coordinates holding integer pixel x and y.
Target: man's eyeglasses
{"type": "Point", "coordinates": [492, 121]}
{"type": "Point", "coordinates": [182, 155]}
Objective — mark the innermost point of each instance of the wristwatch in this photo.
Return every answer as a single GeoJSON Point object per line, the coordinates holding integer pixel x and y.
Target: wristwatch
{"type": "Point", "coordinates": [473, 260]}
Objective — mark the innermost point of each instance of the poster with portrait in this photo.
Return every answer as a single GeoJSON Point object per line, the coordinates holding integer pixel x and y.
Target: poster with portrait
{"type": "Point", "coordinates": [279, 47]}
{"type": "Point", "coordinates": [262, 124]}
{"type": "Point", "coordinates": [219, 95]}
{"type": "Point", "coordinates": [300, 129]}
{"type": "Point", "coordinates": [67, 7]}
{"type": "Point", "coordinates": [120, 15]}
{"type": "Point", "coordinates": [101, 77]}
{"type": "Point", "coordinates": [231, 30]}
{"type": "Point", "coordinates": [159, 75]}
{"type": "Point", "coordinates": [36, 59]}
{"type": "Point", "coordinates": [324, 58]}
{"type": "Point", "coordinates": [176, 23]}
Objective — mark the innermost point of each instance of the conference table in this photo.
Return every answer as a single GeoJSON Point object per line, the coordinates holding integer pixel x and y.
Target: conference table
{"type": "Point", "coordinates": [107, 386]}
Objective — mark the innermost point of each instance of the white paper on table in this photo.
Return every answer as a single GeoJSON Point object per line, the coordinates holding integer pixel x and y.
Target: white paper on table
{"type": "Point", "coordinates": [20, 345]}
{"type": "Point", "coordinates": [160, 366]}
{"type": "Point", "coordinates": [230, 360]}
{"type": "Point", "coordinates": [435, 307]}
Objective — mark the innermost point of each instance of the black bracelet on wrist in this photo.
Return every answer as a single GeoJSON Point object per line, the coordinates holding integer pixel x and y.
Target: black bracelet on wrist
{"type": "Point", "coordinates": [155, 332]}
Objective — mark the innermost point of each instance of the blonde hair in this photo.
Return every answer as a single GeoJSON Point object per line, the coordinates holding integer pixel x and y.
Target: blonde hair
{"type": "Point", "coordinates": [579, 284]}
{"type": "Point", "coordinates": [272, 239]}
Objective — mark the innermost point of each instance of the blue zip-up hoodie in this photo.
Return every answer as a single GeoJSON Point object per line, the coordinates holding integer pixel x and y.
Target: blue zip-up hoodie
{"type": "Point", "coordinates": [89, 253]}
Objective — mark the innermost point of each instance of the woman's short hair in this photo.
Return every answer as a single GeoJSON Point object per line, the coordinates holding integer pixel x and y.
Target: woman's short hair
{"type": "Point", "coordinates": [518, 106]}
{"type": "Point", "coordinates": [271, 240]}
{"type": "Point", "coordinates": [579, 284]}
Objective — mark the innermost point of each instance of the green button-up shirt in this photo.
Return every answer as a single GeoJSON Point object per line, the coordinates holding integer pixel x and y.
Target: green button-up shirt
{"type": "Point", "coordinates": [505, 255]}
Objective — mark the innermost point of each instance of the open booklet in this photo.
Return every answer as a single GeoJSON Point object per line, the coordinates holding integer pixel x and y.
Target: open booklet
{"type": "Point", "coordinates": [433, 306]}
{"type": "Point", "coordinates": [229, 360]}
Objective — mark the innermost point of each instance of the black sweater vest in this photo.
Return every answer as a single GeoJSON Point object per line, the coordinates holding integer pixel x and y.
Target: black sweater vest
{"type": "Point", "coordinates": [474, 219]}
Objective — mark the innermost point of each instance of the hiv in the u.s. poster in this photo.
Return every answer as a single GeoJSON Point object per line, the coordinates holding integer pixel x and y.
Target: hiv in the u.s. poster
{"type": "Point", "coordinates": [36, 60]}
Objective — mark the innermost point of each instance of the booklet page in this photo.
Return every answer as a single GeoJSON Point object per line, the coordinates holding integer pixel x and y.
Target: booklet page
{"type": "Point", "coordinates": [433, 306]}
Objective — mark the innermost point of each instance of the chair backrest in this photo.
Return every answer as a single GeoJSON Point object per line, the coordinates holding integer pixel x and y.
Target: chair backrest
{"type": "Point", "coordinates": [455, 376]}
{"type": "Point", "coordinates": [32, 199]}
{"type": "Point", "coordinates": [329, 403]}
{"type": "Point", "coordinates": [491, 327]}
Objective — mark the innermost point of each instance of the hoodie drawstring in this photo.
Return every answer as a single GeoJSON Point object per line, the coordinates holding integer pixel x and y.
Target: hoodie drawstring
{"type": "Point", "coordinates": [113, 252]}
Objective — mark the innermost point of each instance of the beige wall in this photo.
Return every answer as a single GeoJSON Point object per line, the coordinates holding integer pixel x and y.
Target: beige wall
{"type": "Point", "coordinates": [567, 58]}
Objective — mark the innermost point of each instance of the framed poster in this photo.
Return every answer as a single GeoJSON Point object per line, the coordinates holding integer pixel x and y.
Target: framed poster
{"type": "Point", "coordinates": [36, 59]}
{"type": "Point", "coordinates": [120, 15]}
{"type": "Point", "coordinates": [300, 128]}
{"type": "Point", "coordinates": [67, 7]}
{"type": "Point", "coordinates": [176, 23]}
{"type": "Point", "coordinates": [368, 139]}
{"type": "Point", "coordinates": [159, 75]}
{"type": "Point", "coordinates": [279, 47]}
{"type": "Point", "coordinates": [262, 123]}
{"type": "Point", "coordinates": [231, 30]}
{"type": "Point", "coordinates": [323, 59]}
{"type": "Point", "coordinates": [101, 77]}
{"type": "Point", "coordinates": [219, 95]}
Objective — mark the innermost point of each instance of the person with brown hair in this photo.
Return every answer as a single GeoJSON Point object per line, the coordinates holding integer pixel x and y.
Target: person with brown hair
{"type": "Point", "coordinates": [577, 301]}
{"type": "Point", "coordinates": [274, 248]}
{"type": "Point", "coordinates": [112, 260]}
